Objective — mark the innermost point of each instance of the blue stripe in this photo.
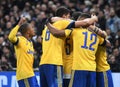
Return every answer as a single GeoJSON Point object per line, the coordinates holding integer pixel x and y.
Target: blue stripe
{"type": "Point", "coordinates": [71, 25]}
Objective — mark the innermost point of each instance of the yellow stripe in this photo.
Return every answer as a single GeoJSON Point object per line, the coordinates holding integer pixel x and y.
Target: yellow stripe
{"type": "Point", "coordinates": [26, 83]}
{"type": "Point", "coordinates": [72, 78]}
{"type": "Point", "coordinates": [59, 77]}
{"type": "Point", "coordinates": [105, 79]}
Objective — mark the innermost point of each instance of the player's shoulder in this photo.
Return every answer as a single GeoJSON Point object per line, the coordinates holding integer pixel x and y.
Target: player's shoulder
{"type": "Point", "coordinates": [21, 38]}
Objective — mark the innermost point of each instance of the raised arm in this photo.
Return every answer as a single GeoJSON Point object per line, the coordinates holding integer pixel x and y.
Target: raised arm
{"type": "Point", "coordinates": [12, 36]}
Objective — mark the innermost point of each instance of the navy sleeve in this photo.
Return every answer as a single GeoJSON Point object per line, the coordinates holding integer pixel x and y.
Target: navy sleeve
{"type": "Point", "coordinates": [104, 43]}
{"type": "Point", "coordinates": [71, 25]}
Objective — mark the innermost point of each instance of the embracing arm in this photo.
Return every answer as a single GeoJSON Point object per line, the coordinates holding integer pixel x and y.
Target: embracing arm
{"type": "Point", "coordinates": [61, 33]}
{"type": "Point", "coordinates": [105, 43]}
{"type": "Point", "coordinates": [55, 31]}
{"type": "Point", "coordinates": [98, 31]}
{"type": "Point", "coordinates": [86, 22]}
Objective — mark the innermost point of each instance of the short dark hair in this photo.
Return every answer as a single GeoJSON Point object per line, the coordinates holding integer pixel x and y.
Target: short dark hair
{"type": "Point", "coordinates": [84, 15]}
{"type": "Point", "coordinates": [23, 28]}
{"type": "Point", "coordinates": [75, 15]}
{"type": "Point", "coordinates": [62, 11]}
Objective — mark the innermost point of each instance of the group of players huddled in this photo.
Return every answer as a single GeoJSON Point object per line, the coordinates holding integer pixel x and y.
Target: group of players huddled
{"type": "Point", "coordinates": [74, 52]}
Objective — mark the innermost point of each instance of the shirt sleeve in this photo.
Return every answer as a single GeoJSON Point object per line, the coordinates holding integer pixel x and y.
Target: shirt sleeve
{"type": "Point", "coordinates": [12, 36]}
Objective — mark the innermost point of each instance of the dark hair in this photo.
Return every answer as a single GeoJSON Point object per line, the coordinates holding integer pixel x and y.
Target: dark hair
{"type": "Point", "coordinates": [84, 15]}
{"type": "Point", "coordinates": [62, 11]}
{"type": "Point", "coordinates": [75, 15]}
{"type": "Point", "coordinates": [23, 28]}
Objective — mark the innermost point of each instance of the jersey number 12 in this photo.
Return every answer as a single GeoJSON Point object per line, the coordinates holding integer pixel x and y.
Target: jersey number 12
{"type": "Point", "coordinates": [92, 37]}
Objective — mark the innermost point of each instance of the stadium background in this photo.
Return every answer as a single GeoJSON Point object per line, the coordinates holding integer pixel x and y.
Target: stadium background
{"type": "Point", "coordinates": [37, 11]}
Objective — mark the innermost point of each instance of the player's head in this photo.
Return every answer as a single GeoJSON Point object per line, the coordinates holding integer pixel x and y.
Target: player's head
{"type": "Point", "coordinates": [63, 12]}
{"type": "Point", "coordinates": [83, 16]}
{"type": "Point", "coordinates": [75, 15]}
{"type": "Point", "coordinates": [27, 29]}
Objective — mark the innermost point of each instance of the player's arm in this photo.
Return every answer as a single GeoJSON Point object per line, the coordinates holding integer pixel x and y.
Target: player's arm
{"type": "Point", "coordinates": [108, 44]}
{"type": "Point", "coordinates": [55, 31]}
{"type": "Point", "coordinates": [86, 22]}
{"type": "Point", "coordinates": [61, 33]}
{"type": "Point", "coordinates": [98, 31]}
{"type": "Point", "coordinates": [12, 36]}
{"type": "Point", "coordinates": [104, 42]}
{"type": "Point", "coordinates": [54, 19]}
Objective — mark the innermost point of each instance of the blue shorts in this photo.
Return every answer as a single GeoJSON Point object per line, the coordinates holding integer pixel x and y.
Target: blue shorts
{"type": "Point", "coordinates": [28, 82]}
{"type": "Point", "coordinates": [104, 79]}
{"type": "Point", "coordinates": [82, 78]}
{"type": "Point", "coordinates": [51, 75]}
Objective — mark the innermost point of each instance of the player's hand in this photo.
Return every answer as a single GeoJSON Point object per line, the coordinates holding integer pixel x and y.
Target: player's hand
{"type": "Point", "coordinates": [91, 28]}
{"type": "Point", "coordinates": [48, 20]}
{"type": "Point", "coordinates": [22, 20]}
{"type": "Point", "coordinates": [94, 17]}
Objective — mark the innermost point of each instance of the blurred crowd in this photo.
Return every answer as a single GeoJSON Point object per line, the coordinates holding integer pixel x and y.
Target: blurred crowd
{"type": "Point", "coordinates": [36, 11]}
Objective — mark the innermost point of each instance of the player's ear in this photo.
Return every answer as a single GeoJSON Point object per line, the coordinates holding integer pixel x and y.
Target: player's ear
{"type": "Point", "coordinates": [28, 31]}
{"type": "Point", "coordinates": [64, 16]}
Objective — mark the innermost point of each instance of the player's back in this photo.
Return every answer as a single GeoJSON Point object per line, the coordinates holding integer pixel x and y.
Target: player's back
{"type": "Point", "coordinates": [52, 46]}
{"type": "Point", "coordinates": [24, 61]}
{"type": "Point", "coordinates": [85, 44]}
{"type": "Point", "coordinates": [101, 59]}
